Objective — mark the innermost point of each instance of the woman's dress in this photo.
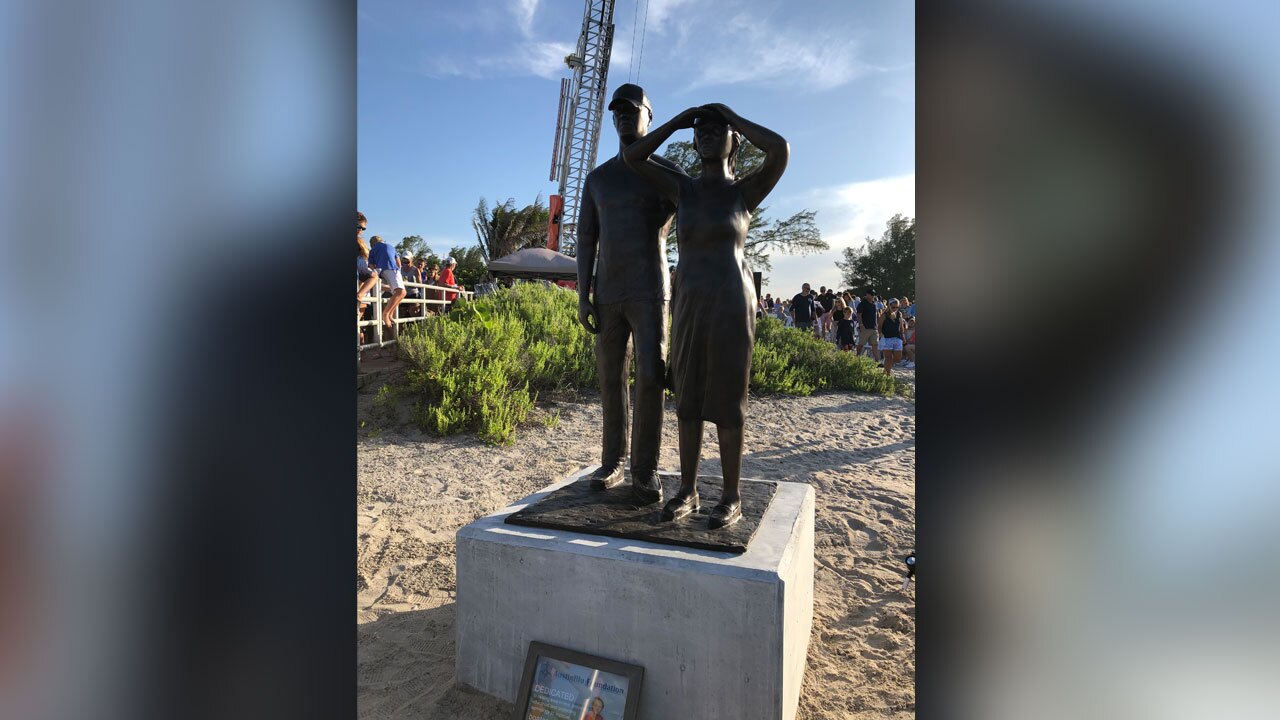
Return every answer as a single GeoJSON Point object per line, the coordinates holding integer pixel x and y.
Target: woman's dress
{"type": "Point", "coordinates": [713, 306]}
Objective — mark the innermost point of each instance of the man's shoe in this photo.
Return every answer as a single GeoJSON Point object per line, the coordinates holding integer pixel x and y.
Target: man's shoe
{"type": "Point", "coordinates": [678, 507]}
{"type": "Point", "coordinates": [606, 477]}
{"type": "Point", "coordinates": [646, 487]}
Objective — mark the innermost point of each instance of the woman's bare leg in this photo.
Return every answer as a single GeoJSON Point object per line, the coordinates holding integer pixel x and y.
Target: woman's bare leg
{"type": "Point", "coordinates": [690, 454]}
{"type": "Point", "coordinates": [686, 499]}
{"type": "Point", "coordinates": [731, 462]}
{"type": "Point", "coordinates": [729, 510]}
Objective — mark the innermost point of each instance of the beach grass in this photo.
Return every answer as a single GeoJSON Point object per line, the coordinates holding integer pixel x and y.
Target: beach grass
{"type": "Point", "coordinates": [793, 362]}
{"type": "Point", "coordinates": [482, 367]}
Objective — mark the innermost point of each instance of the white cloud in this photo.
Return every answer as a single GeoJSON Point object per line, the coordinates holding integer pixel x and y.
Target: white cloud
{"type": "Point", "coordinates": [543, 59]}
{"type": "Point", "coordinates": [710, 49]}
{"type": "Point", "coordinates": [659, 12]}
{"type": "Point", "coordinates": [524, 11]}
{"type": "Point", "coordinates": [753, 53]}
{"type": "Point", "coordinates": [847, 215]}
{"type": "Point", "coordinates": [540, 59]}
{"type": "Point", "coordinates": [525, 56]}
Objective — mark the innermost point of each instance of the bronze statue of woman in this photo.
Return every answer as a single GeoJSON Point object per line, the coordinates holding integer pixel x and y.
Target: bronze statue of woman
{"type": "Point", "coordinates": [714, 299]}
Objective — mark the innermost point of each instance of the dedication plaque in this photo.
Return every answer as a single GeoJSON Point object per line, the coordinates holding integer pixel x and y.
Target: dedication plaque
{"type": "Point", "coordinates": [562, 684]}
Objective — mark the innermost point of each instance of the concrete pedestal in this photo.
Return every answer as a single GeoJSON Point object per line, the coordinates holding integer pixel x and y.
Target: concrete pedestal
{"type": "Point", "coordinates": [720, 636]}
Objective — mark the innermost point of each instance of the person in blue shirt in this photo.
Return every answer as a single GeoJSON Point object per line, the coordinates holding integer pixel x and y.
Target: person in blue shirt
{"type": "Point", "coordinates": [383, 258]}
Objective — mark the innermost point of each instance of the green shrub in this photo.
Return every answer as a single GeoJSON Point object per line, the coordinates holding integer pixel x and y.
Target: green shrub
{"type": "Point", "coordinates": [794, 362]}
{"type": "Point", "coordinates": [482, 367]}
{"type": "Point", "coordinates": [385, 400]}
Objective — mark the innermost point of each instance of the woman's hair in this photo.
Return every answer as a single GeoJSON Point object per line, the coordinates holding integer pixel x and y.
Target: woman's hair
{"type": "Point", "coordinates": [362, 248]}
{"type": "Point", "coordinates": [734, 151]}
{"type": "Point", "coordinates": [360, 217]}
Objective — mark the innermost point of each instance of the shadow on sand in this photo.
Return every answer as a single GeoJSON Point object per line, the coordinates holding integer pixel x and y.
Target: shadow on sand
{"type": "Point", "coordinates": [779, 463]}
{"type": "Point", "coordinates": [405, 669]}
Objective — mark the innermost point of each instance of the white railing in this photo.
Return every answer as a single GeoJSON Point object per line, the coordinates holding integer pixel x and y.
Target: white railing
{"type": "Point", "coordinates": [379, 341]}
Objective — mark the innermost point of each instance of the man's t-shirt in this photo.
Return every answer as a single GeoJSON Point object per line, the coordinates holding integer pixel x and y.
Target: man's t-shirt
{"type": "Point", "coordinates": [827, 301]}
{"type": "Point", "coordinates": [446, 278]}
{"type": "Point", "coordinates": [866, 314]}
{"type": "Point", "coordinates": [410, 273]}
{"type": "Point", "coordinates": [802, 305]}
{"type": "Point", "coordinates": [629, 219]}
{"type": "Point", "coordinates": [382, 256]}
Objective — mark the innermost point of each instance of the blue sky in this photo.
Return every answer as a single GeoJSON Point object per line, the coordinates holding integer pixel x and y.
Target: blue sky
{"type": "Point", "coordinates": [457, 101]}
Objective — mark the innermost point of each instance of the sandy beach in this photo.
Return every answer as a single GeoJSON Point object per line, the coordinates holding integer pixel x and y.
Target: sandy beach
{"type": "Point", "coordinates": [414, 491]}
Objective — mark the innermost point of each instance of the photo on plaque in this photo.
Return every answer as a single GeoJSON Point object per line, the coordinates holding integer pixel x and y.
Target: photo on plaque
{"type": "Point", "coordinates": [562, 684]}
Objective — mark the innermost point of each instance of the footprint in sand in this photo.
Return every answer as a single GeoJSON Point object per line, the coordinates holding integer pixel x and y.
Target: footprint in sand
{"type": "Point", "coordinates": [880, 641]}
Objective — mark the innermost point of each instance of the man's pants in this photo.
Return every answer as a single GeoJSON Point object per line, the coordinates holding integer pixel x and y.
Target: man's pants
{"type": "Point", "coordinates": [645, 323]}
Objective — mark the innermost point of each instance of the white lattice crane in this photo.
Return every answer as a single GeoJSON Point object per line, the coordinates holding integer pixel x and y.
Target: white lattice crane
{"type": "Point", "coordinates": [578, 122]}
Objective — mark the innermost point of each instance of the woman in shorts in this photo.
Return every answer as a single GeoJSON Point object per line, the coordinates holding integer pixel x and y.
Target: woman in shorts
{"type": "Point", "coordinates": [892, 327]}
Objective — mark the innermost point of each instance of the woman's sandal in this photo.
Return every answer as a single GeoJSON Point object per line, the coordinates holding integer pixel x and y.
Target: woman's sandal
{"type": "Point", "coordinates": [678, 507]}
{"type": "Point", "coordinates": [724, 514]}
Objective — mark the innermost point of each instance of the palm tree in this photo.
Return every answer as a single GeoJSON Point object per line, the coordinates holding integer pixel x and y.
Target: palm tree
{"type": "Point", "coordinates": [503, 229]}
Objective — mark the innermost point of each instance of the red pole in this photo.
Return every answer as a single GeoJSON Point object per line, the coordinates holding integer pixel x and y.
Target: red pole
{"type": "Point", "coordinates": [555, 207]}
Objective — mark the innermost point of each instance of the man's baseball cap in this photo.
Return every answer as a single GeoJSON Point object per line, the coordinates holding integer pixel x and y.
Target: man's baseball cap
{"type": "Point", "coordinates": [633, 94]}
{"type": "Point", "coordinates": [407, 256]}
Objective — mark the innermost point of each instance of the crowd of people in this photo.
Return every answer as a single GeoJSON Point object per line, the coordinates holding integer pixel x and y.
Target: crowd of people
{"type": "Point", "coordinates": [380, 269]}
{"type": "Point", "coordinates": [884, 327]}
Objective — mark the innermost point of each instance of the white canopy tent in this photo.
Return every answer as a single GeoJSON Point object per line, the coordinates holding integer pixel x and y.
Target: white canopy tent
{"type": "Point", "coordinates": [539, 263]}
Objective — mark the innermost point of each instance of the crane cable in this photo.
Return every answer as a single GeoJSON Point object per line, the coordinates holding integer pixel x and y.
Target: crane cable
{"type": "Point", "coordinates": [634, 17]}
{"type": "Point", "coordinates": [643, 28]}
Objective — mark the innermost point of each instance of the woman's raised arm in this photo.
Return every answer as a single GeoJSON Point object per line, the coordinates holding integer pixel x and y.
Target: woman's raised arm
{"type": "Point", "coordinates": [757, 186]}
{"type": "Point", "coordinates": [637, 155]}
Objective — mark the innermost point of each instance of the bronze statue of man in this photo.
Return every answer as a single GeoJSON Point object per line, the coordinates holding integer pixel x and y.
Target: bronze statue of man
{"type": "Point", "coordinates": [622, 257]}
